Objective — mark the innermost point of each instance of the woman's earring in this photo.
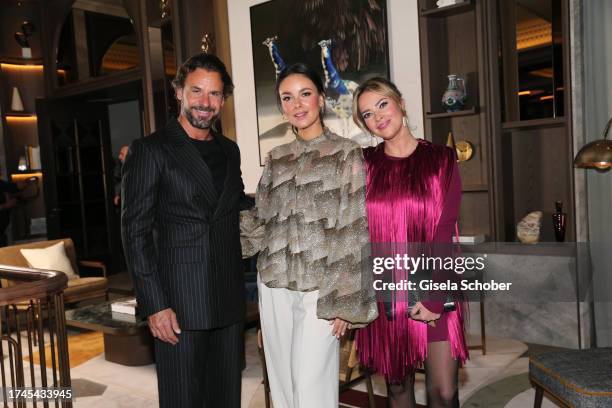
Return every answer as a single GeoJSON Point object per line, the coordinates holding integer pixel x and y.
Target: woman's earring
{"type": "Point", "coordinates": [405, 121]}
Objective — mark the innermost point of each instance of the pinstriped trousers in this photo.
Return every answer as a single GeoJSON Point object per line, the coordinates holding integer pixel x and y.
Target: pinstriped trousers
{"type": "Point", "coordinates": [204, 370]}
{"type": "Point", "coordinates": [301, 352]}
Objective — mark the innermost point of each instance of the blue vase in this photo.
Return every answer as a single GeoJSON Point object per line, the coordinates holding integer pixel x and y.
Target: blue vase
{"type": "Point", "coordinates": [454, 97]}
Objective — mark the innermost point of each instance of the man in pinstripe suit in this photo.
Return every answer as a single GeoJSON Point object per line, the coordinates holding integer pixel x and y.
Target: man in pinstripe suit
{"type": "Point", "coordinates": [182, 191]}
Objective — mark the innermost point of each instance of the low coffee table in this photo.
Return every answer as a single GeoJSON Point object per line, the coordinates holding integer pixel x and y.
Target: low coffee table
{"type": "Point", "coordinates": [125, 342]}
{"type": "Point", "coordinates": [128, 342]}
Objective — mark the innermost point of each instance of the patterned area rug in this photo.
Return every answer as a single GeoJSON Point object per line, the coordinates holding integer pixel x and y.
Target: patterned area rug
{"type": "Point", "coordinates": [495, 395]}
{"type": "Point", "coordinates": [499, 393]}
{"type": "Point", "coordinates": [81, 348]}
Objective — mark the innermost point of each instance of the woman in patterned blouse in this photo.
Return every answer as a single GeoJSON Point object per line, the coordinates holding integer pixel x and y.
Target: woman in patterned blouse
{"type": "Point", "coordinates": [310, 229]}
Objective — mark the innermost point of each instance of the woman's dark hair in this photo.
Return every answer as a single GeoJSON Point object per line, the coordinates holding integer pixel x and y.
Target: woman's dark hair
{"type": "Point", "coordinates": [301, 69]}
{"type": "Point", "coordinates": [208, 62]}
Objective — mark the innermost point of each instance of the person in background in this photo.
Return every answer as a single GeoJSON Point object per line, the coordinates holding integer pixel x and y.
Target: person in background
{"type": "Point", "coordinates": [412, 197]}
{"type": "Point", "coordinates": [309, 227]}
{"type": "Point", "coordinates": [8, 201]}
{"type": "Point", "coordinates": [123, 151]}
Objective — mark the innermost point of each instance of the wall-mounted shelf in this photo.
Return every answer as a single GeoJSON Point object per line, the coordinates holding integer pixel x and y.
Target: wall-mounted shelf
{"type": "Point", "coordinates": [4, 59]}
{"type": "Point", "coordinates": [32, 172]}
{"type": "Point", "coordinates": [12, 119]}
{"type": "Point", "coordinates": [534, 123]}
{"type": "Point", "coordinates": [7, 66]}
{"type": "Point", "coordinates": [25, 175]}
{"type": "Point", "coordinates": [474, 188]}
{"type": "Point", "coordinates": [464, 112]}
{"type": "Point", "coordinates": [20, 114]}
{"type": "Point", "coordinates": [451, 38]}
{"type": "Point", "coordinates": [447, 10]}
{"type": "Point", "coordinates": [38, 68]}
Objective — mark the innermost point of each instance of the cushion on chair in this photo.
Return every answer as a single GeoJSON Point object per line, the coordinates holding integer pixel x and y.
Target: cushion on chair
{"type": "Point", "coordinates": [91, 282]}
{"type": "Point", "coordinates": [79, 289]}
{"type": "Point", "coordinates": [85, 289]}
{"type": "Point", "coordinates": [53, 258]}
{"type": "Point", "coordinates": [582, 378]}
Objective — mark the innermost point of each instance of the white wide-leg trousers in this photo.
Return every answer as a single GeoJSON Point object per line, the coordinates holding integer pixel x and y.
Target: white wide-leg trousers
{"type": "Point", "coordinates": [301, 352]}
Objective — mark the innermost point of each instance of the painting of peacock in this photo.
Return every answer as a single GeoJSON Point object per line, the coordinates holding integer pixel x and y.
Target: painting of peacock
{"type": "Point", "coordinates": [346, 38]}
{"type": "Point", "coordinates": [277, 60]}
{"type": "Point", "coordinates": [339, 91]}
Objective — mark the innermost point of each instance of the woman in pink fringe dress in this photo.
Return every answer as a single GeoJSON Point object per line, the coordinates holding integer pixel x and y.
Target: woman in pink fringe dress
{"type": "Point", "coordinates": [413, 194]}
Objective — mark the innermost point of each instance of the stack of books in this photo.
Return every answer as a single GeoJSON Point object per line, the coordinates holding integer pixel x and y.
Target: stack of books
{"type": "Point", "coordinates": [125, 310]}
{"type": "Point", "coordinates": [470, 239]}
{"type": "Point", "coordinates": [32, 157]}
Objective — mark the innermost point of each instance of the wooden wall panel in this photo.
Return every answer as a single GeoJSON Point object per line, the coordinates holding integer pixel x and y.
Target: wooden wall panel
{"type": "Point", "coordinates": [450, 45]}
{"type": "Point", "coordinates": [199, 17]}
{"type": "Point", "coordinates": [474, 209]}
{"type": "Point", "coordinates": [541, 175]}
{"type": "Point", "coordinates": [474, 171]}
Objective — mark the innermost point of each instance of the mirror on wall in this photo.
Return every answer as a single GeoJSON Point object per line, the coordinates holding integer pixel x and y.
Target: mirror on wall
{"type": "Point", "coordinates": [532, 59]}
{"type": "Point", "coordinates": [97, 39]}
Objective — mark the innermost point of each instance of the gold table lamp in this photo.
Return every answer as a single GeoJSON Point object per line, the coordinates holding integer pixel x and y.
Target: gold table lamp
{"type": "Point", "coordinates": [596, 155]}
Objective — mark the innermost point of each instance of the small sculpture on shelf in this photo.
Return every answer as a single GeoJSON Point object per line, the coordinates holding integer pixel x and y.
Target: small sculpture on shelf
{"type": "Point", "coordinates": [528, 229]}
{"type": "Point", "coordinates": [208, 43]}
{"type": "Point", "coordinates": [454, 97]}
{"type": "Point", "coordinates": [16, 102]}
{"type": "Point", "coordinates": [22, 165]}
{"type": "Point", "coordinates": [165, 9]}
{"type": "Point", "coordinates": [22, 38]}
{"type": "Point", "coordinates": [559, 221]}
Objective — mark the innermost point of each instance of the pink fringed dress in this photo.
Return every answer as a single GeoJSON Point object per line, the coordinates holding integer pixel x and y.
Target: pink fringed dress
{"type": "Point", "coordinates": [412, 199]}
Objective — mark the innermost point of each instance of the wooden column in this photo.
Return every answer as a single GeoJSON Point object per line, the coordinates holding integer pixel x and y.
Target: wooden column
{"type": "Point", "coordinates": [199, 17]}
{"type": "Point", "coordinates": [223, 51]}
{"type": "Point", "coordinates": [80, 39]}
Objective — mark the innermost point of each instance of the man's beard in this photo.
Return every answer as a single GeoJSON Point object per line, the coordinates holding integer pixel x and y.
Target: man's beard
{"type": "Point", "coordinates": [198, 122]}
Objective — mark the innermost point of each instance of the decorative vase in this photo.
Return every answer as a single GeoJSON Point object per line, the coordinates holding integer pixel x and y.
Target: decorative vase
{"type": "Point", "coordinates": [22, 164]}
{"type": "Point", "coordinates": [559, 219]}
{"type": "Point", "coordinates": [454, 96]}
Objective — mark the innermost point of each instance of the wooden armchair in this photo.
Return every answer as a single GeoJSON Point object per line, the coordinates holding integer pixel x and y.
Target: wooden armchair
{"type": "Point", "coordinates": [351, 372]}
{"type": "Point", "coordinates": [79, 289]}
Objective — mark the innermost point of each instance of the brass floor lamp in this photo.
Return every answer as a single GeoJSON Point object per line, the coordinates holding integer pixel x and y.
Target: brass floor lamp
{"type": "Point", "coordinates": [595, 155]}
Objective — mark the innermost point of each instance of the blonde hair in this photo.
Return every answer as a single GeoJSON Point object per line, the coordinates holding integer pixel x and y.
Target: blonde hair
{"type": "Point", "coordinates": [380, 86]}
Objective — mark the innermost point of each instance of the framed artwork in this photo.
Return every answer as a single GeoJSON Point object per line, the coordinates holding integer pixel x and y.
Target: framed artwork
{"type": "Point", "coordinates": [346, 41]}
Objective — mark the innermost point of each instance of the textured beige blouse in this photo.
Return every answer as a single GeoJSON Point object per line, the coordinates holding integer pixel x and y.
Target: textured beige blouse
{"type": "Point", "coordinates": [309, 226]}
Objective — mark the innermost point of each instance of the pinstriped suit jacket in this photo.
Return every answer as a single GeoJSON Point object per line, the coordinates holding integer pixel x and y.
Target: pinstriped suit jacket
{"type": "Point", "coordinates": [181, 240]}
